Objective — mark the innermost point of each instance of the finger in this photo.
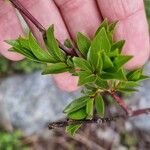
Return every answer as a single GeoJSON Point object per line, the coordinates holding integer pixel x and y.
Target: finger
{"type": "Point", "coordinates": [132, 27]}
{"type": "Point", "coordinates": [10, 28]}
{"type": "Point", "coordinates": [46, 12]}
{"type": "Point", "coordinates": [79, 15]}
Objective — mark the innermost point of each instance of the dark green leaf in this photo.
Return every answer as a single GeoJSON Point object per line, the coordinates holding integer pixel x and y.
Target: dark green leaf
{"type": "Point", "coordinates": [82, 64]}
{"type": "Point", "coordinates": [107, 63]}
{"type": "Point", "coordinates": [121, 60]}
{"type": "Point", "coordinates": [119, 75]}
{"type": "Point", "coordinates": [56, 68]}
{"type": "Point", "coordinates": [86, 77]}
{"type": "Point", "coordinates": [38, 51]}
{"type": "Point", "coordinates": [83, 43]}
{"type": "Point", "coordinates": [100, 106]}
{"type": "Point", "coordinates": [72, 129]}
{"type": "Point", "coordinates": [76, 104]}
{"type": "Point", "coordinates": [112, 26]}
{"type": "Point", "coordinates": [118, 45]}
{"type": "Point", "coordinates": [78, 115]}
{"type": "Point", "coordinates": [52, 45]}
{"type": "Point", "coordinates": [89, 108]}
{"type": "Point", "coordinates": [68, 43]}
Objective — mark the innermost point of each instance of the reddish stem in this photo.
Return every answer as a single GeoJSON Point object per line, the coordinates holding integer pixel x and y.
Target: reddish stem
{"type": "Point", "coordinates": [140, 112]}
{"type": "Point", "coordinates": [121, 103]}
{"type": "Point", "coordinates": [26, 13]}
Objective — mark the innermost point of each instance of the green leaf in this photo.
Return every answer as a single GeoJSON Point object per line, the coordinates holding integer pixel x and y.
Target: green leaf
{"type": "Point", "coordinates": [78, 115]}
{"type": "Point", "coordinates": [134, 75]}
{"type": "Point", "coordinates": [89, 108]}
{"type": "Point", "coordinates": [72, 129]}
{"type": "Point", "coordinates": [127, 90]}
{"type": "Point", "coordinates": [86, 77]}
{"type": "Point", "coordinates": [13, 43]}
{"type": "Point", "coordinates": [82, 64]}
{"type": "Point", "coordinates": [26, 53]}
{"type": "Point", "coordinates": [103, 84]}
{"type": "Point", "coordinates": [127, 84]}
{"type": "Point", "coordinates": [104, 24]}
{"type": "Point", "coordinates": [114, 53]}
{"type": "Point", "coordinates": [119, 75]}
{"type": "Point", "coordinates": [121, 60]}
{"type": "Point", "coordinates": [107, 63]}
{"type": "Point", "coordinates": [99, 43]}
{"type": "Point", "coordinates": [38, 51]}
{"type": "Point", "coordinates": [100, 106]}
{"type": "Point", "coordinates": [112, 26]}
{"type": "Point", "coordinates": [143, 77]}
{"type": "Point", "coordinates": [56, 68]}
{"type": "Point", "coordinates": [118, 45]}
{"type": "Point", "coordinates": [76, 104]}
{"type": "Point", "coordinates": [24, 43]}
{"type": "Point", "coordinates": [69, 61]}
{"type": "Point", "coordinates": [68, 43]}
{"type": "Point", "coordinates": [53, 46]}
{"type": "Point", "coordinates": [83, 43]}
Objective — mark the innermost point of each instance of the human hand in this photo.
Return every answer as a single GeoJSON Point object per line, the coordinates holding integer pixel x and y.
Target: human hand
{"type": "Point", "coordinates": [84, 16]}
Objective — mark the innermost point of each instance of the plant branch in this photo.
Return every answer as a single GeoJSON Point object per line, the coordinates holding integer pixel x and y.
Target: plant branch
{"type": "Point", "coordinates": [96, 120]}
{"type": "Point", "coordinates": [26, 13]}
{"type": "Point", "coordinates": [75, 122]}
{"type": "Point", "coordinates": [121, 103]}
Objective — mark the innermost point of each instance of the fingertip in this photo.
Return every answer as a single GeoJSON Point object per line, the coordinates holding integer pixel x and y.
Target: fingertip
{"type": "Point", "coordinates": [66, 82]}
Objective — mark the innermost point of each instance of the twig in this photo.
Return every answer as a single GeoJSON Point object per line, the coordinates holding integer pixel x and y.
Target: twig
{"type": "Point", "coordinates": [97, 120]}
{"type": "Point", "coordinates": [121, 103]}
{"type": "Point", "coordinates": [26, 13]}
{"type": "Point", "coordinates": [75, 122]}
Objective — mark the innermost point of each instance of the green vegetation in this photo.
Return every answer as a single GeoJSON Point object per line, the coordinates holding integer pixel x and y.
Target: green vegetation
{"type": "Point", "coordinates": [11, 141]}
{"type": "Point", "coordinates": [25, 66]}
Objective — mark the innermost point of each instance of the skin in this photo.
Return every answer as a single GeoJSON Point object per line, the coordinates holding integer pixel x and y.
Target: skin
{"type": "Point", "coordinates": [71, 16]}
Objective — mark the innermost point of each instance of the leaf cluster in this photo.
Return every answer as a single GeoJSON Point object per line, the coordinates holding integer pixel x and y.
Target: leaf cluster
{"type": "Point", "coordinates": [99, 67]}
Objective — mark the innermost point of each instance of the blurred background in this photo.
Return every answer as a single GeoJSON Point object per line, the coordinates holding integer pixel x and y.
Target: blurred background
{"type": "Point", "coordinates": [29, 101]}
